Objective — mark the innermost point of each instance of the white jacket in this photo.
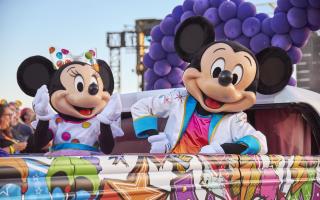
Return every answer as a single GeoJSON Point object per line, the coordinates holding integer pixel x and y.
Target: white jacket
{"type": "Point", "coordinates": [178, 106]}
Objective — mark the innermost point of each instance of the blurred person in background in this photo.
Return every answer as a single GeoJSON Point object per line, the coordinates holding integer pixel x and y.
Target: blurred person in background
{"type": "Point", "coordinates": [20, 130]}
{"type": "Point", "coordinates": [27, 116]}
{"type": "Point", "coordinates": [7, 142]}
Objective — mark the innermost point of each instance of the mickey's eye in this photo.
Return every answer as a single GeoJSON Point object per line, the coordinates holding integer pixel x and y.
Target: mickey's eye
{"type": "Point", "coordinates": [78, 83]}
{"type": "Point", "coordinates": [237, 74]}
{"type": "Point", "coordinates": [217, 67]}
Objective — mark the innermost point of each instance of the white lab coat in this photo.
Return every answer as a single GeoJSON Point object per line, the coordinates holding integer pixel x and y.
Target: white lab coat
{"type": "Point", "coordinates": [178, 106]}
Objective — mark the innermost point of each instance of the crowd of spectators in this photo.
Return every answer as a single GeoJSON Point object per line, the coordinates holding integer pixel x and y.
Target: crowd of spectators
{"type": "Point", "coordinates": [16, 131]}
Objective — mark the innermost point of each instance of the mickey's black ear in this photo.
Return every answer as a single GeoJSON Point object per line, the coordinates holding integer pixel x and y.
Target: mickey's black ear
{"type": "Point", "coordinates": [34, 72]}
{"type": "Point", "coordinates": [106, 75]}
{"type": "Point", "coordinates": [193, 34]}
{"type": "Point", "coordinates": [274, 71]}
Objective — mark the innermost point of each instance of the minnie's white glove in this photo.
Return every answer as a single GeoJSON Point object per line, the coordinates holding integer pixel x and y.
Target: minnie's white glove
{"type": "Point", "coordinates": [111, 115]}
{"type": "Point", "coordinates": [41, 105]}
{"type": "Point", "coordinates": [213, 148]}
{"type": "Point", "coordinates": [159, 143]}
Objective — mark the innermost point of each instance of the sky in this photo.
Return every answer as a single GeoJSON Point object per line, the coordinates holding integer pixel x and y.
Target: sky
{"type": "Point", "coordinates": [30, 27]}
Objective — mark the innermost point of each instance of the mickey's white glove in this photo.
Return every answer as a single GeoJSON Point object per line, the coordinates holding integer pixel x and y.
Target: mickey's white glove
{"type": "Point", "coordinates": [111, 115]}
{"type": "Point", "coordinates": [213, 148]}
{"type": "Point", "coordinates": [41, 105]}
{"type": "Point", "coordinates": [159, 143]}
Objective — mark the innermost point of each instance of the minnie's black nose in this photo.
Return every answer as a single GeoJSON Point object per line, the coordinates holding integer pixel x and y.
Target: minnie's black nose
{"type": "Point", "coordinates": [93, 89]}
{"type": "Point", "coordinates": [225, 78]}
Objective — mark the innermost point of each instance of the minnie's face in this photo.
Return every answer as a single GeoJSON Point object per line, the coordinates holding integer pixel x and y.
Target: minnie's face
{"type": "Point", "coordinates": [220, 85]}
{"type": "Point", "coordinates": [83, 96]}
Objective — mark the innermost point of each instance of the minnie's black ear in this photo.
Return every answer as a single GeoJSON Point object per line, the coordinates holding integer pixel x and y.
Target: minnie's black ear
{"type": "Point", "coordinates": [193, 34]}
{"type": "Point", "coordinates": [34, 72]}
{"type": "Point", "coordinates": [275, 69]}
{"type": "Point", "coordinates": [106, 75]}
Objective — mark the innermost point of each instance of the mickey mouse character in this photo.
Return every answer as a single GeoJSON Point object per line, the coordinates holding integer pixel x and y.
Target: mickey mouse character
{"type": "Point", "coordinates": [221, 82]}
{"type": "Point", "coordinates": [79, 89]}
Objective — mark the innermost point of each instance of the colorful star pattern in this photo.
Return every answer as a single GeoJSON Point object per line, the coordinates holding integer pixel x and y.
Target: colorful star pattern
{"type": "Point", "coordinates": [137, 185]}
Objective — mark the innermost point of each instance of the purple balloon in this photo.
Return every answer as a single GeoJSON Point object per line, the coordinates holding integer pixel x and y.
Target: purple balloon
{"type": "Point", "coordinates": [156, 33]}
{"type": "Point", "coordinates": [148, 61]}
{"type": "Point", "coordinates": [180, 85]}
{"type": "Point", "coordinates": [292, 81]}
{"type": "Point", "coordinates": [162, 84]}
{"type": "Point", "coordinates": [187, 5]}
{"type": "Point", "coordinates": [212, 15]}
{"type": "Point", "coordinates": [279, 23]}
{"type": "Point", "coordinates": [219, 32]}
{"type": "Point", "coordinates": [162, 67]}
{"type": "Point", "coordinates": [174, 59]}
{"type": "Point", "coordinates": [156, 52]}
{"type": "Point", "coordinates": [284, 5]}
{"type": "Point", "coordinates": [299, 3]}
{"type": "Point", "coordinates": [216, 3]}
{"type": "Point", "coordinates": [167, 43]}
{"type": "Point", "coordinates": [200, 6]}
{"type": "Point", "coordinates": [238, 2]}
{"type": "Point", "coordinates": [245, 10]}
{"type": "Point", "coordinates": [150, 77]}
{"type": "Point", "coordinates": [314, 17]}
{"type": "Point", "coordinates": [175, 76]}
{"type": "Point", "coordinates": [232, 28]}
{"type": "Point", "coordinates": [314, 3]}
{"type": "Point", "coordinates": [186, 15]}
{"type": "Point", "coordinates": [282, 41]}
{"type": "Point", "coordinates": [148, 86]}
{"type": "Point", "coordinates": [297, 17]}
{"type": "Point", "coordinates": [259, 42]}
{"type": "Point", "coordinates": [266, 27]}
{"type": "Point", "coordinates": [227, 10]}
{"type": "Point", "coordinates": [251, 26]}
{"type": "Point", "coordinates": [244, 40]}
{"type": "Point", "coordinates": [295, 54]}
{"type": "Point", "coordinates": [177, 12]}
{"type": "Point", "coordinates": [300, 37]}
{"type": "Point", "coordinates": [262, 16]}
{"type": "Point", "coordinates": [167, 25]}
{"type": "Point", "coordinates": [183, 66]}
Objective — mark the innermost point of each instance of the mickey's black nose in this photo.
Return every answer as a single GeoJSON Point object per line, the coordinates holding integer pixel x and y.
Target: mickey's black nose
{"type": "Point", "coordinates": [93, 89]}
{"type": "Point", "coordinates": [225, 78]}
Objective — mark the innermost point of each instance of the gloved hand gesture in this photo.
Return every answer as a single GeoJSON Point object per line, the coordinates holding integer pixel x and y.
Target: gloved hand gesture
{"type": "Point", "coordinates": [159, 143]}
{"type": "Point", "coordinates": [213, 148]}
{"type": "Point", "coordinates": [41, 105]}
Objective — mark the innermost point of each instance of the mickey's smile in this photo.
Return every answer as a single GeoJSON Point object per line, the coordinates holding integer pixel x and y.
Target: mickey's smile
{"type": "Point", "coordinates": [211, 103]}
{"type": "Point", "coordinates": [84, 111]}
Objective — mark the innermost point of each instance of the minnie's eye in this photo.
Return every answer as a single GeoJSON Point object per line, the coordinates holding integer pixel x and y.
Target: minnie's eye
{"type": "Point", "coordinates": [78, 83]}
{"type": "Point", "coordinates": [237, 74]}
{"type": "Point", "coordinates": [217, 67]}
{"type": "Point", "coordinates": [94, 80]}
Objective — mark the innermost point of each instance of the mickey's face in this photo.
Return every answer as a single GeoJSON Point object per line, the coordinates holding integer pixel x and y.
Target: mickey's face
{"type": "Point", "coordinates": [83, 96]}
{"type": "Point", "coordinates": [224, 75]}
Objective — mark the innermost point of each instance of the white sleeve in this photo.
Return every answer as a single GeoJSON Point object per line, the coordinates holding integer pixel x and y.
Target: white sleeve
{"type": "Point", "coordinates": [146, 111]}
{"type": "Point", "coordinates": [243, 132]}
{"type": "Point", "coordinates": [52, 123]}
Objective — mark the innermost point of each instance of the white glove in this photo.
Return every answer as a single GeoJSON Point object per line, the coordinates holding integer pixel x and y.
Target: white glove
{"type": "Point", "coordinates": [111, 115]}
{"type": "Point", "coordinates": [41, 105]}
{"type": "Point", "coordinates": [213, 148]}
{"type": "Point", "coordinates": [159, 143]}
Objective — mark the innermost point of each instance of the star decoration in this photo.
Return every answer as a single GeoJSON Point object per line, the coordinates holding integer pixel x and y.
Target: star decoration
{"type": "Point", "coordinates": [158, 160]}
{"type": "Point", "coordinates": [181, 163]}
{"type": "Point", "coordinates": [118, 159]}
{"type": "Point", "coordinates": [137, 185]}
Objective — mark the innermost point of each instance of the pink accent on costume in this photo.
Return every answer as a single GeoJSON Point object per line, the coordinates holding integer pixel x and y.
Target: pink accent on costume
{"type": "Point", "coordinates": [195, 136]}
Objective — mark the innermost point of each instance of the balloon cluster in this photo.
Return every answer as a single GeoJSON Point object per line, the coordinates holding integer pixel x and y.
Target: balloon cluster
{"type": "Point", "coordinates": [236, 20]}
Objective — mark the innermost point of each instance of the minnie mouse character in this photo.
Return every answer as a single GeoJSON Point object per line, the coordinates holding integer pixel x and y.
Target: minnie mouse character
{"type": "Point", "coordinates": [79, 89]}
{"type": "Point", "coordinates": [221, 82]}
